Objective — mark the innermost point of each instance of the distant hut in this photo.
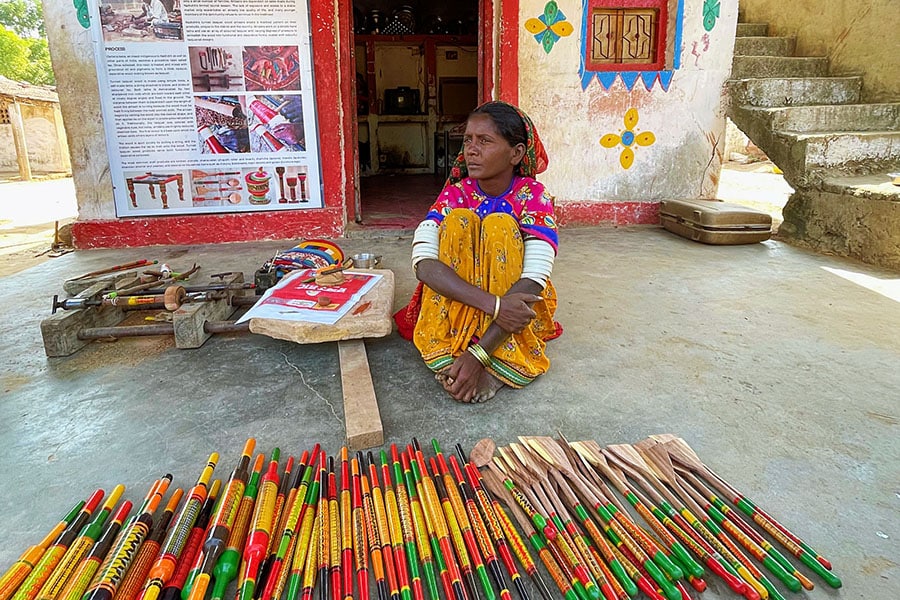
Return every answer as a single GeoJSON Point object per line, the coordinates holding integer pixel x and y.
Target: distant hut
{"type": "Point", "coordinates": [32, 136]}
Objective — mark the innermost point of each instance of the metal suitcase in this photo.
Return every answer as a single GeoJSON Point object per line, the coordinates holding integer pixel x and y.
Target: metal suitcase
{"type": "Point", "coordinates": [715, 222]}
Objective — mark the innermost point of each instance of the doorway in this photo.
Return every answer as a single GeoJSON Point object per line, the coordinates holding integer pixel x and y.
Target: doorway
{"type": "Point", "coordinates": [418, 72]}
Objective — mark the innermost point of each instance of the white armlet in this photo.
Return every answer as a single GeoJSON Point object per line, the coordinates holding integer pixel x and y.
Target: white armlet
{"type": "Point", "coordinates": [425, 242]}
{"type": "Point", "coordinates": [537, 264]}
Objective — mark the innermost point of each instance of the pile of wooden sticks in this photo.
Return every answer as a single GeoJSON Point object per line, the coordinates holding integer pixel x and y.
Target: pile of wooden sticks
{"type": "Point", "coordinates": [414, 526]}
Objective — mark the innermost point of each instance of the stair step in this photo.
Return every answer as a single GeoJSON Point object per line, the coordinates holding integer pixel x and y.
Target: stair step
{"type": "Point", "coordinates": [820, 154]}
{"type": "Point", "coordinates": [877, 186]}
{"type": "Point", "coordinates": [837, 117]}
{"type": "Point", "coordinates": [795, 91]}
{"type": "Point", "coordinates": [764, 46]}
{"type": "Point", "coordinates": [746, 67]}
{"type": "Point", "coordinates": [752, 29]}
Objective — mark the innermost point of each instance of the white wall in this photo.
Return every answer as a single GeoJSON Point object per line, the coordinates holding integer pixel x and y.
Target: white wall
{"type": "Point", "coordinates": [687, 120]}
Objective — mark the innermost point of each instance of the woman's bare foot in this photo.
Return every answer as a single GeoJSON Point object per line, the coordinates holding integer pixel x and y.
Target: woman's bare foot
{"type": "Point", "coordinates": [444, 378]}
{"type": "Point", "coordinates": [488, 385]}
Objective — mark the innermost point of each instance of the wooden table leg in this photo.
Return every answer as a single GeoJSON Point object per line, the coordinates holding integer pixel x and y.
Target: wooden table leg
{"type": "Point", "coordinates": [130, 183]}
{"type": "Point", "coordinates": [180, 182]}
{"type": "Point", "coordinates": [361, 416]}
{"type": "Point", "coordinates": [163, 196]}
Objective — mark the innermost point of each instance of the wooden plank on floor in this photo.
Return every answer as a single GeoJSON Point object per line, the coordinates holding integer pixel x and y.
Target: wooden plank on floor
{"type": "Point", "coordinates": [361, 416]}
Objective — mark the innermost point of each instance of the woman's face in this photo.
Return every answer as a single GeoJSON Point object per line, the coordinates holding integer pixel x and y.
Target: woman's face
{"type": "Point", "coordinates": [487, 153]}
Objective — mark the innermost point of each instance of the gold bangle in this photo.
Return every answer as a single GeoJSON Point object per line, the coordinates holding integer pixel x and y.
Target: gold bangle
{"type": "Point", "coordinates": [480, 353]}
{"type": "Point", "coordinates": [496, 308]}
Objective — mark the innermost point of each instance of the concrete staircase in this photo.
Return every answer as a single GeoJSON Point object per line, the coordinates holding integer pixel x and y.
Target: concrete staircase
{"type": "Point", "coordinates": [834, 150]}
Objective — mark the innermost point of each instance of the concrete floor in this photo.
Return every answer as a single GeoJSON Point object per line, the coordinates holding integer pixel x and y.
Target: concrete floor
{"type": "Point", "coordinates": [780, 367]}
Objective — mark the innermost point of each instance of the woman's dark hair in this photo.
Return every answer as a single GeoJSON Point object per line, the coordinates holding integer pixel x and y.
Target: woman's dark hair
{"type": "Point", "coordinates": [506, 120]}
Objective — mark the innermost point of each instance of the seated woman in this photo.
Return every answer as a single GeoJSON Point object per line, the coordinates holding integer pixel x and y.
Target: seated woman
{"type": "Point", "coordinates": [484, 254]}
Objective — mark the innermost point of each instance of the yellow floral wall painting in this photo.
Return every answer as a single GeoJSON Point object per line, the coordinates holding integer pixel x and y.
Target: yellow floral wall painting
{"type": "Point", "coordinates": [628, 139]}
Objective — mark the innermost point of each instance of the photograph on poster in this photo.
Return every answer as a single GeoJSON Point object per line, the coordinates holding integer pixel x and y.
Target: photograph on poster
{"type": "Point", "coordinates": [276, 123]}
{"type": "Point", "coordinates": [260, 188]}
{"type": "Point", "coordinates": [216, 68]}
{"type": "Point", "coordinates": [272, 68]}
{"type": "Point", "coordinates": [141, 21]}
{"type": "Point", "coordinates": [292, 188]}
{"type": "Point", "coordinates": [217, 188]}
{"type": "Point", "coordinates": [222, 124]}
{"type": "Point", "coordinates": [155, 189]}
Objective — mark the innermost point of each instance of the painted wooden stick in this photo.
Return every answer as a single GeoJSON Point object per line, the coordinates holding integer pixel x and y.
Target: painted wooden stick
{"type": "Point", "coordinates": [465, 563]}
{"type": "Point", "coordinates": [287, 490]}
{"type": "Point", "coordinates": [417, 518]}
{"type": "Point", "coordinates": [592, 453]}
{"type": "Point", "coordinates": [703, 549]}
{"type": "Point", "coordinates": [533, 461]}
{"type": "Point", "coordinates": [659, 461]}
{"type": "Point", "coordinates": [434, 517]}
{"type": "Point", "coordinates": [392, 510]}
{"type": "Point", "coordinates": [407, 527]}
{"type": "Point", "coordinates": [334, 531]}
{"type": "Point", "coordinates": [346, 496]}
{"type": "Point", "coordinates": [274, 571]}
{"type": "Point", "coordinates": [796, 546]}
{"type": "Point", "coordinates": [494, 483]}
{"type": "Point", "coordinates": [752, 547]}
{"type": "Point", "coordinates": [133, 582]}
{"type": "Point", "coordinates": [554, 455]}
{"type": "Point", "coordinates": [308, 526]}
{"type": "Point", "coordinates": [173, 545]}
{"type": "Point", "coordinates": [32, 584]}
{"type": "Point", "coordinates": [685, 559]}
{"type": "Point", "coordinates": [79, 548]}
{"type": "Point", "coordinates": [219, 532]}
{"type": "Point", "coordinates": [496, 532]}
{"type": "Point", "coordinates": [383, 529]}
{"type": "Point", "coordinates": [360, 544]}
{"type": "Point", "coordinates": [192, 547]}
{"type": "Point", "coordinates": [748, 530]}
{"type": "Point", "coordinates": [568, 540]}
{"type": "Point", "coordinates": [527, 503]}
{"type": "Point", "coordinates": [80, 580]}
{"type": "Point", "coordinates": [19, 570]}
{"type": "Point", "coordinates": [229, 562]}
{"type": "Point", "coordinates": [684, 517]}
{"type": "Point", "coordinates": [323, 525]}
{"type": "Point", "coordinates": [260, 530]}
{"type": "Point", "coordinates": [278, 513]}
{"type": "Point", "coordinates": [281, 567]}
{"type": "Point", "coordinates": [465, 526]}
{"type": "Point", "coordinates": [311, 568]}
{"type": "Point", "coordinates": [117, 563]}
{"type": "Point", "coordinates": [373, 541]}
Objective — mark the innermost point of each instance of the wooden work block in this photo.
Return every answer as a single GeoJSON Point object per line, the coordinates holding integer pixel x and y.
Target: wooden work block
{"type": "Point", "coordinates": [375, 321]}
{"type": "Point", "coordinates": [361, 417]}
{"type": "Point", "coordinates": [188, 320]}
{"type": "Point", "coordinates": [60, 331]}
{"type": "Point", "coordinates": [118, 281]}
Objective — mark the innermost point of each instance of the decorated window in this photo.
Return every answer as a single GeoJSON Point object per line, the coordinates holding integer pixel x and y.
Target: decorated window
{"type": "Point", "coordinates": [633, 36]}
{"type": "Point", "coordinates": [631, 40]}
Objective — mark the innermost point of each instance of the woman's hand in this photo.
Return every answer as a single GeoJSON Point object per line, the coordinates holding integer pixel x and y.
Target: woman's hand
{"type": "Point", "coordinates": [516, 312]}
{"type": "Point", "coordinates": [462, 377]}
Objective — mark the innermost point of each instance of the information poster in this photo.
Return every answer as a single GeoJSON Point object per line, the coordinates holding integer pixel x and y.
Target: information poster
{"type": "Point", "coordinates": [208, 105]}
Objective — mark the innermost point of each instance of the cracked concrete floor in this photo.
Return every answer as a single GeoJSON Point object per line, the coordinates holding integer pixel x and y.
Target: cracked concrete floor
{"type": "Point", "coordinates": [780, 367]}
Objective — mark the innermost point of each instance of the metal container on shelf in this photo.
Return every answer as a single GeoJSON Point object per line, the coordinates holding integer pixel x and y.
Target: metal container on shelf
{"type": "Point", "coordinates": [375, 22]}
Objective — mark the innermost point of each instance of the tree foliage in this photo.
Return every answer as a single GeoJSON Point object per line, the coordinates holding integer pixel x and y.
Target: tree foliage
{"type": "Point", "coordinates": [24, 54]}
{"type": "Point", "coordinates": [24, 17]}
